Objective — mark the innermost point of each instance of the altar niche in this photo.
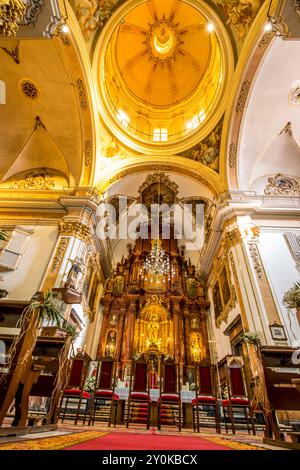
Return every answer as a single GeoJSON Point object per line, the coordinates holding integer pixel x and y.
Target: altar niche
{"type": "Point", "coordinates": [154, 329]}
{"type": "Point", "coordinates": [157, 324]}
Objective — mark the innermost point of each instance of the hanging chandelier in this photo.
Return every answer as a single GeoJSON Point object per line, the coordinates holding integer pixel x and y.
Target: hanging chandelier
{"type": "Point", "coordinates": [157, 263]}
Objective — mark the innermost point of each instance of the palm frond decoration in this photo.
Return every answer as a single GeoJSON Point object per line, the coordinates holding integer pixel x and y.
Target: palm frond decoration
{"type": "Point", "coordinates": [3, 235]}
{"type": "Point", "coordinates": [291, 298]}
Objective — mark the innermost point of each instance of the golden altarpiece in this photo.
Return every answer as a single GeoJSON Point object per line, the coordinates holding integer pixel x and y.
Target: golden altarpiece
{"type": "Point", "coordinates": [155, 316]}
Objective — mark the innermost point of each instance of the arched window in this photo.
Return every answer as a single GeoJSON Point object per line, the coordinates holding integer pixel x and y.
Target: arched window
{"type": "Point", "coordinates": [2, 92]}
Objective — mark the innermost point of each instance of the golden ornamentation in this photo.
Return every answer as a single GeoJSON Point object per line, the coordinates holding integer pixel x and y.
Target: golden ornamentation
{"type": "Point", "coordinates": [38, 123]}
{"type": "Point", "coordinates": [243, 97]}
{"type": "Point", "coordinates": [233, 237]}
{"type": "Point", "coordinates": [88, 152]}
{"type": "Point", "coordinates": [153, 330]}
{"type": "Point", "coordinates": [29, 89]}
{"type": "Point", "coordinates": [162, 41]}
{"type": "Point", "coordinates": [207, 151]}
{"type": "Point", "coordinates": [161, 179]}
{"type": "Point", "coordinates": [65, 40]}
{"type": "Point", "coordinates": [240, 14]}
{"type": "Point", "coordinates": [38, 179]}
{"type": "Point", "coordinates": [265, 40]}
{"type": "Point", "coordinates": [196, 345]}
{"type": "Point", "coordinates": [82, 94]}
{"type": "Point", "coordinates": [232, 155]}
{"type": "Point", "coordinates": [11, 12]}
{"type": "Point", "coordinates": [255, 256]}
{"type": "Point", "coordinates": [13, 53]}
{"type": "Point", "coordinates": [77, 230]}
{"type": "Point", "coordinates": [223, 291]}
{"type": "Point", "coordinates": [60, 251]}
{"type": "Point", "coordinates": [282, 185]}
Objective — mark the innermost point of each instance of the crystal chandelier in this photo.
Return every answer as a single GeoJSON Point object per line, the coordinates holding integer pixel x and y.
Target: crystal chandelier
{"type": "Point", "coordinates": [157, 262]}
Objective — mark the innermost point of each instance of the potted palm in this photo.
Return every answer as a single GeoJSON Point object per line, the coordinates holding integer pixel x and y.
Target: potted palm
{"type": "Point", "coordinates": [3, 236]}
{"type": "Point", "coordinates": [291, 299]}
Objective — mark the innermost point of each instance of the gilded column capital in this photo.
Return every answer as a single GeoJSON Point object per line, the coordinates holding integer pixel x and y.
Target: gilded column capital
{"type": "Point", "coordinates": [233, 237]}
{"type": "Point", "coordinates": [77, 230]}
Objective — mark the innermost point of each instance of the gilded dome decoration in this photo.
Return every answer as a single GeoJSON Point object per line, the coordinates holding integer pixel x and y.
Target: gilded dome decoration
{"type": "Point", "coordinates": [162, 69]}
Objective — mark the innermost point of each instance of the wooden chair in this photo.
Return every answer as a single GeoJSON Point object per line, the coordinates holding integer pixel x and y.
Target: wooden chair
{"type": "Point", "coordinates": [138, 406]}
{"type": "Point", "coordinates": [237, 407]}
{"type": "Point", "coordinates": [206, 396]}
{"type": "Point", "coordinates": [74, 392]}
{"type": "Point", "coordinates": [105, 401]}
{"type": "Point", "coordinates": [169, 403]}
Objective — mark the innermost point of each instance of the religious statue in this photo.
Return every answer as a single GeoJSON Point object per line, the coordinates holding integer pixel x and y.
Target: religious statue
{"type": "Point", "coordinates": [118, 285]}
{"type": "Point", "coordinates": [153, 328]}
{"type": "Point", "coordinates": [111, 343]}
{"type": "Point", "coordinates": [75, 274]}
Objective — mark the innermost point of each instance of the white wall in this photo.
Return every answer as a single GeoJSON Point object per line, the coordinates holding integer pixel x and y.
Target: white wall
{"type": "Point", "coordinates": [26, 279]}
{"type": "Point", "coordinates": [282, 273]}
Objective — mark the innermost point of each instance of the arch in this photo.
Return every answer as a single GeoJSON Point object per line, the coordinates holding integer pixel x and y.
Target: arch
{"type": "Point", "coordinates": [253, 53]}
{"type": "Point", "coordinates": [175, 164]}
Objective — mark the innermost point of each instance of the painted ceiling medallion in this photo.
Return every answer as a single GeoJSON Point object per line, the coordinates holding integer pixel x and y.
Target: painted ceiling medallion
{"type": "Point", "coordinates": [29, 89]}
{"type": "Point", "coordinates": [282, 185]}
{"type": "Point", "coordinates": [163, 40]}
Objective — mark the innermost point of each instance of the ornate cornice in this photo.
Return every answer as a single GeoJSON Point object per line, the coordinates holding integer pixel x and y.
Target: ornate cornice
{"type": "Point", "coordinates": [77, 230]}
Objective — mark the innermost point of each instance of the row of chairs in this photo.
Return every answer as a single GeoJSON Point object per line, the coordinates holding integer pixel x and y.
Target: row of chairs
{"type": "Point", "coordinates": [207, 408]}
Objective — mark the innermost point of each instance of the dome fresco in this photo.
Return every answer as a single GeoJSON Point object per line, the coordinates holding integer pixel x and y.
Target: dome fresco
{"type": "Point", "coordinates": [162, 70]}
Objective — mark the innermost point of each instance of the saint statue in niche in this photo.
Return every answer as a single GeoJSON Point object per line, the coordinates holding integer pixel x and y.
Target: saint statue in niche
{"type": "Point", "coordinates": [153, 328]}
{"type": "Point", "coordinates": [111, 343]}
{"type": "Point", "coordinates": [118, 285]}
{"type": "Point", "coordinates": [191, 285]}
{"type": "Point", "coordinates": [75, 274]}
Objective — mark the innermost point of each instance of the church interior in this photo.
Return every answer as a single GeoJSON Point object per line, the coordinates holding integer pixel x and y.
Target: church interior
{"type": "Point", "coordinates": [122, 123]}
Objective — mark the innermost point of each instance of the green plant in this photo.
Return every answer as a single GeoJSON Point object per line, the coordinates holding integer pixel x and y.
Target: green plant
{"type": "Point", "coordinates": [251, 338]}
{"type": "Point", "coordinates": [3, 235]}
{"type": "Point", "coordinates": [291, 298]}
{"type": "Point", "coordinates": [70, 329]}
{"type": "Point", "coordinates": [50, 308]}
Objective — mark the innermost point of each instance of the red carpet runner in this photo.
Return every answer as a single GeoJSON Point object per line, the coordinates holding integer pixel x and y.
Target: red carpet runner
{"type": "Point", "coordinates": [126, 441]}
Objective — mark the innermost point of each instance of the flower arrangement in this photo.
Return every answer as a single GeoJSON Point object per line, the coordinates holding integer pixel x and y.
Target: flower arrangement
{"type": "Point", "coordinates": [90, 383]}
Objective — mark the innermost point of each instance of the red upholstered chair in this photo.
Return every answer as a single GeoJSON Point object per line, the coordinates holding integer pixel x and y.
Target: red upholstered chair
{"type": "Point", "coordinates": [138, 406]}
{"type": "Point", "coordinates": [237, 407]}
{"type": "Point", "coordinates": [169, 403]}
{"type": "Point", "coordinates": [206, 396]}
{"type": "Point", "coordinates": [105, 402]}
{"type": "Point", "coordinates": [73, 395]}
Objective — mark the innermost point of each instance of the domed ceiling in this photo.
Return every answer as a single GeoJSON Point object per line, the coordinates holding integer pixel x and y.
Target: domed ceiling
{"type": "Point", "coordinates": [163, 53]}
{"type": "Point", "coordinates": [162, 69]}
